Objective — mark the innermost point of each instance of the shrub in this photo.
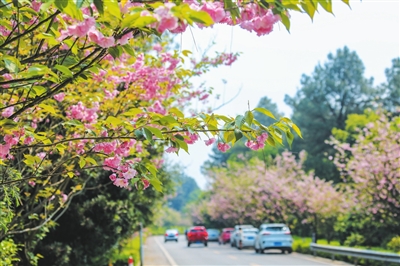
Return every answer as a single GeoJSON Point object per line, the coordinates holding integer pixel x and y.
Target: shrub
{"type": "Point", "coordinates": [394, 244]}
{"type": "Point", "coordinates": [354, 240]}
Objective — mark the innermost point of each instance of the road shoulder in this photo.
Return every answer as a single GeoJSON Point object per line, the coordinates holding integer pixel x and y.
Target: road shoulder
{"type": "Point", "coordinates": [153, 255]}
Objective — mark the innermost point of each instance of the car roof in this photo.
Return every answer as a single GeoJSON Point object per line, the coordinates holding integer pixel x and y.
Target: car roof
{"type": "Point", "coordinates": [243, 226]}
{"type": "Point", "coordinates": [273, 224]}
{"type": "Point", "coordinates": [198, 228]}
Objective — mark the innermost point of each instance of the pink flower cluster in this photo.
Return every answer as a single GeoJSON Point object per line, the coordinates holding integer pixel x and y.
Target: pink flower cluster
{"type": "Point", "coordinates": [12, 140]}
{"type": "Point", "coordinates": [259, 143]}
{"type": "Point", "coordinates": [223, 146]}
{"type": "Point", "coordinates": [82, 113]}
{"type": "Point", "coordinates": [88, 27]}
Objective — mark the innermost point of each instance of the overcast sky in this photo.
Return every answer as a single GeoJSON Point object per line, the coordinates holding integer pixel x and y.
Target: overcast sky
{"type": "Point", "coordinates": [272, 65]}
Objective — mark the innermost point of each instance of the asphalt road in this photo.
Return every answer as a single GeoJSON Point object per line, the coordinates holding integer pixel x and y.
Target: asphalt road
{"type": "Point", "coordinates": [179, 254]}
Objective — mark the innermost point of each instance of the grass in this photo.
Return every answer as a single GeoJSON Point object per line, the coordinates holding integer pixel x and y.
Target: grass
{"type": "Point", "coordinates": [129, 247]}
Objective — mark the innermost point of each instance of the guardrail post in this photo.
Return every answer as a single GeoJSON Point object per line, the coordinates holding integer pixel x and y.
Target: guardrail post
{"type": "Point", "coordinates": [333, 256]}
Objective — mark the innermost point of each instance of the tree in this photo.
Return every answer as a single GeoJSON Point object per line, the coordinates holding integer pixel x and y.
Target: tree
{"type": "Point", "coordinates": [186, 190]}
{"type": "Point", "coordinates": [333, 91]}
{"type": "Point", "coordinates": [370, 167]}
{"type": "Point", "coordinates": [282, 192]}
{"type": "Point", "coordinates": [391, 88]}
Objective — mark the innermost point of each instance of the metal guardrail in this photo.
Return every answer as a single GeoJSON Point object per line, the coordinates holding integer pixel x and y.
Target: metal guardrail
{"type": "Point", "coordinates": [356, 253]}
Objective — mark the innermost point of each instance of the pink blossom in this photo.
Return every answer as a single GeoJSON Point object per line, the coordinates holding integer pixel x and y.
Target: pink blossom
{"type": "Point", "coordinates": [113, 177]}
{"type": "Point", "coordinates": [157, 47]}
{"type": "Point", "coordinates": [8, 111]}
{"type": "Point", "coordinates": [31, 183]}
{"type": "Point", "coordinates": [36, 5]}
{"type": "Point", "coordinates": [193, 138]}
{"type": "Point", "coordinates": [64, 197]}
{"type": "Point", "coordinates": [41, 155]}
{"type": "Point", "coordinates": [215, 10]}
{"type": "Point", "coordinates": [4, 150]}
{"type": "Point", "coordinates": [97, 37]}
{"type": "Point", "coordinates": [146, 183]}
{"type": "Point", "coordinates": [171, 149]}
{"type": "Point", "coordinates": [80, 29]}
{"type": "Point", "coordinates": [59, 97]}
{"type": "Point", "coordinates": [11, 139]}
{"type": "Point", "coordinates": [120, 182]}
{"type": "Point", "coordinates": [223, 146]}
{"type": "Point", "coordinates": [112, 162]}
{"type": "Point", "coordinates": [209, 141]}
{"type": "Point", "coordinates": [125, 38]}
{"type": "Point", "coordinates": [131, 173]}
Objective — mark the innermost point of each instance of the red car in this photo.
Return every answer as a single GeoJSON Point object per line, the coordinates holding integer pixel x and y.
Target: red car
{"type": "Point", "coordinates": [197, 234]}
{"type": "Point", "coordinates": [225, 236]}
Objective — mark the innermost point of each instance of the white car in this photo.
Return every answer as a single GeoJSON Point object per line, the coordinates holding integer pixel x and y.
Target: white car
{"type": "Point", "coordinates": [274, 236]}
{"type": "Point", "coordinates": [246, 238]}
{"type": "Point", "coordinates": [171, 235]}
{"type": "Point", "coordinates": [236, 232]}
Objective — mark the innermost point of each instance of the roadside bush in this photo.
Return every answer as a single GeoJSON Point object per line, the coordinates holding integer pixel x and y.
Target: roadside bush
{"type": "Point", "coordinates": [354, 240]}
{"type": "Point", "coordinates": [394, 244]}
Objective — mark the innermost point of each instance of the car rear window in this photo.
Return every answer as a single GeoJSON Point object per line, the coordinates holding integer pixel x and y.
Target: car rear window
{"type": "Point", "coordinates": [196, 230]}
{"type": "Point", "coordinates": [250, 230]}
{"type": "Point", "coordinates": [276, 228]}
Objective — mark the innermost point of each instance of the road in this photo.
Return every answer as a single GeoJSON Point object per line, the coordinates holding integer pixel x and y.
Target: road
{"type": "Point", "coordinates": [179, 254]}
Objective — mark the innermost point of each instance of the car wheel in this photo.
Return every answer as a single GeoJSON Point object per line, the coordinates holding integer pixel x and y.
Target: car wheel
{"type": "Point", "coordinates": [219, 243]}
{"type": "Point", "coordinates": [205, 244]}
{"type": "Point", "coordinates": [261, 251]}
{"type": "Point", "coordinates": [176, 240]}
{"type": "Point", "coordinates": [290, 250]}
{"type": "Point", "coordinates": [256, 250]}
{"type": "Point", "coordinates": [283, 251]}
{"type": "Point", "coordinates": [165, 240]}
{"type": "Point", "coordinates": [188, 244]}
{"type": "Point", "coordinates": [231, 244]}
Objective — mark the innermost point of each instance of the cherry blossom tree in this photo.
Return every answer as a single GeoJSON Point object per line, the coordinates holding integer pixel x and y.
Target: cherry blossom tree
{"type": "Point", "coordinates": [371, 166]}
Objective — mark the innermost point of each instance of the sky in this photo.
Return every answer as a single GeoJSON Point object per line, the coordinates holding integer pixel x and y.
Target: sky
{"type": "Point", "coordinates": [272, 65]}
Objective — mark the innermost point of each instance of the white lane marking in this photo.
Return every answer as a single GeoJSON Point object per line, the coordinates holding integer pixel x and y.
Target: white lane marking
{"type": "Point", "coordinates": [232, 257]}
{"type": "Point", "coordinates": [166, 254]}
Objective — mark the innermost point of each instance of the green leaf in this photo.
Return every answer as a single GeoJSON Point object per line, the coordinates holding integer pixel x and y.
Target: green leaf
{"type": "Point", "coordinates": [91, 160]}
{"type": "Point", "coordinates": [289, 138]}
{"type": "Point", "coordinates": [82, 162]}
{"type": "Point", "coordinates": [156, 184]}
{"type": "Point", "coordinates": [201, 17]}
{"type": "Point", "coordinates": [183, 145]}
{"type": "Point", "coordinates": [115, 51]}
{"type": "Point", "coordinates": [152, 169]}
{"type": "Point", "coordinates": [114, 121]}
{"type": "Point", "coordinates": [148, 135]}
{"type": "Point", "coordinates": [129, 19]}
{"type": "Point", "coordinates": [99, 6]}
{"type": "Point", "coordinates": [249, 117]}
{"type": "Point", "coordinates": [112, 7]}
{"type": "Point", "coordinates": [39, 90]}
{"type": "Point", "coordinates": [239, 121]}
{"type": "Point", "coordinates": [156, 132]}
{"type": "Point", "coordinates": [229, 136]}
{"type": "Point", "coordinates": [285, 21]}
{"type": "Point", "coordinates": [129, 50]}
{"type": "Point", "coordinates": [142, 22]}
{"type": "Point", "coordinates": [133, 112]}
{"type": "Point", "coordinates": [238, 134]}
{"type": "Point", "coordinates": [271, 141]}
{"type": "Point", "coordinates": [61, 4]}
{"type": "Point", "coordinates": [37, 70]}
{"type": "Point", "coordinates": [48, 108]}
{"type": "Point", "coordinates": [68, 7]}
{"type": "Point", "coordinates": [176, 112]}
{"type": "Point", "coordinates": [186, 52]}
{"type": "Point", "coordinates": [347, 2]}
{"type": "Point", "coordinates": [11, 63]}
{"type": "Point", "coordinates": [297, 130]}
{"type": "Point", "coordinates": [265, 112]}
{"type": "Point", "coordinates": [65, 70]}
{"type": "Point", "coordinates": [309, 7]}
{"type": "Point", "coordinates": [326, 4]}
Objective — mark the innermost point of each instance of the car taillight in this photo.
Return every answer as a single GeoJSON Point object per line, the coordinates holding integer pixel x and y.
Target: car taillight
{"type": "Point", "coordinates": [287, 233]}
{"type": "Point", "coordinates": [176, 234]}
{"type": "Point", "coordinates": [166, 234]}
{"type": "Point", "coordinates": [266, 234]}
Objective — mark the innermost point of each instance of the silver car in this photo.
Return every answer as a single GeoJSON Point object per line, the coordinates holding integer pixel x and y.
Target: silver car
{"type": "Point", "coordinates": [213, 234]}
{"type": "Point", "coordinates": [274, 236]}
{"type": "Point", "coordinates": [237, 231]}
{"type": "Point", "coordinates": [171, 235]}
